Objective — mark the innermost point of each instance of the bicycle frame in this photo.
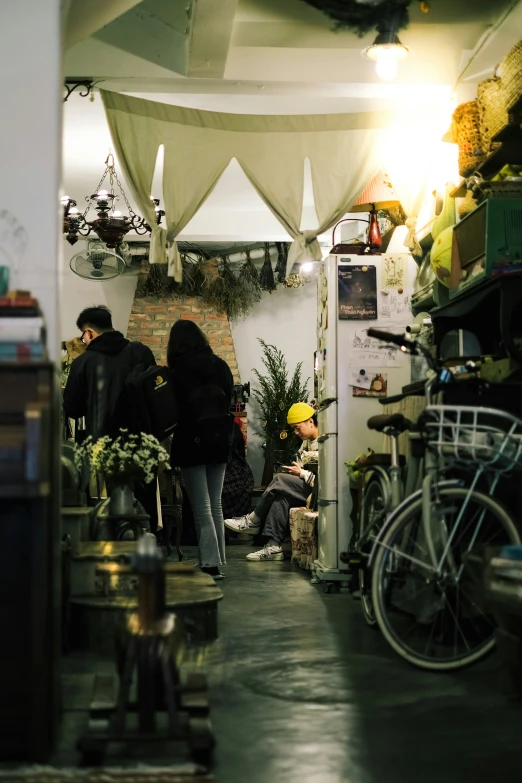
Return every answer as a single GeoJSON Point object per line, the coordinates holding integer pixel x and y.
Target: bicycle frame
{"type": "Point", "coordinates": [391, 519]}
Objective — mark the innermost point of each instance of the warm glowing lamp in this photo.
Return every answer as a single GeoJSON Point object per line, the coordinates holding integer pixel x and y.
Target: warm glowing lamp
{"type": "Point", "coordinates": [379, 194]}
{"type": "Point", "coordinates": [386, 52]}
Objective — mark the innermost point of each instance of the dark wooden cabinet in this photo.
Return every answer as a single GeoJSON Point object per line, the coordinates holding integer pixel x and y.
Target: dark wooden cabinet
{"type": "Point", "coordinates": [29, 562]}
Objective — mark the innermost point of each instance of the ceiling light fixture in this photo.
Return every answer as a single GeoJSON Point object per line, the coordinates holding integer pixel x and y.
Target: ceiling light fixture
{"type": "Point", "coordinates": [110, 225]}
{"type": "Point", "coordinates": [386, 51]}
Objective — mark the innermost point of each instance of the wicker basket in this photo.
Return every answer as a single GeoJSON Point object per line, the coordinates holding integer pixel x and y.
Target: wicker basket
{"type": "Point", "coordinates": [493, 115]}
{"type": "Point", "coordinates": [511, 73]}
{"type": "Point", "coordinates": [466, 132]}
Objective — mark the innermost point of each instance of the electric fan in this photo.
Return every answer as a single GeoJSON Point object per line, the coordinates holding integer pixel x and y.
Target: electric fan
{"type": "Point", "coordinates": [97, 263]}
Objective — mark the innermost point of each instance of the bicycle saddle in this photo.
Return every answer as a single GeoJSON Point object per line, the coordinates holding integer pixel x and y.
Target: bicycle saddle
{"type": "Point", "coordinates": [393, 421]}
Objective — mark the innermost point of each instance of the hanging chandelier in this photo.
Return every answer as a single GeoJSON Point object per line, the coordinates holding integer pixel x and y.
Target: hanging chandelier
{"type": "Point", "coordinates": [109, 225]}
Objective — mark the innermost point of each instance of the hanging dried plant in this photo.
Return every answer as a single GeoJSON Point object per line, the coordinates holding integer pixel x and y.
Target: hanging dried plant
{"type": "Point", "coordinates": [229, 294]}
{"type": "Point", "coordinates": [363, 16]}
{"type": "Point", "coordinates": [266, 276]}
{"type": "Point", "coordinates": [249, 279]}
{"type": "Point", "coordinates": [220, 293]}
{"type": "Point", "coordinates": [155, 283]}
{"type": "Point", "coordinates": [282, 255]}
{"type": "Point", "coordinates": [193, 276]}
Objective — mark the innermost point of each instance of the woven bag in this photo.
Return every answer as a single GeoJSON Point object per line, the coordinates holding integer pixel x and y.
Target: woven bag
{"type": "Point", "coordinates": [493, 115]}
{"type": "Point", "coordinates": [466, 132]}
{"type": "Point", "coordinates": [511, 73]}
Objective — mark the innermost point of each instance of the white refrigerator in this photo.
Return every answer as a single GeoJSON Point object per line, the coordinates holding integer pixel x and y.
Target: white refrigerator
{"type": "Point", "coordinates": [344, 355]}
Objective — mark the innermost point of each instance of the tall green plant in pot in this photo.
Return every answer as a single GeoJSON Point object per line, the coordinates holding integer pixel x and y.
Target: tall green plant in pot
{"type": "Point", "coordinates": [277, 392]}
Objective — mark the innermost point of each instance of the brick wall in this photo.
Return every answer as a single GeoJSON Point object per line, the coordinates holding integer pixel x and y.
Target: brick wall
{"type": "Point", "coordinates": [152, 317]}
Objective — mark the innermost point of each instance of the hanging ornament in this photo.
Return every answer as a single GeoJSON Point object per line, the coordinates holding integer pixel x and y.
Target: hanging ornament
{"type": "Point", "coordinates": [266, 276]}
{"type": "Point", "coordinates": [295, 280]}
{"type": "Point", "coordinates": [424, 6]}
{"type": "Point", "coordinates": [283, 435]}
{"type": "Point", "coordinates": [282, 255]}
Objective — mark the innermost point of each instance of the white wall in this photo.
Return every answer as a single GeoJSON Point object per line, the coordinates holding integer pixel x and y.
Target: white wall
{"type": "Point", "coordinates": [76, 294]}
{"type": "Point", "coordinates": [30, 97]}
{"type": "Point", "coordinates": [287, 319]}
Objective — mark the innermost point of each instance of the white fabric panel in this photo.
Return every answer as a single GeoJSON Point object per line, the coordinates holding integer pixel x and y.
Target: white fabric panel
{"type": "Point", "coordinates": [345, 152]}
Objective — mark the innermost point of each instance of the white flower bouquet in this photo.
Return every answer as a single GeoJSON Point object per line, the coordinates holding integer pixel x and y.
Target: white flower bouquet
{"type": "Point", "coordinates": [125, 459]}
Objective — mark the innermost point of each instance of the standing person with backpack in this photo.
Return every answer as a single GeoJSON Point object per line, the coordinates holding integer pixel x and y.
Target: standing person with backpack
{"type": "Point", "coordinates": [96, 385]}
{"type": "Point", "coordinates": [202, 440]}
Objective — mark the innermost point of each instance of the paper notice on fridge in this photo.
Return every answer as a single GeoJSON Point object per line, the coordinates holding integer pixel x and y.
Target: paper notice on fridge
{"type": "Point", "coordinates": [394, 308]}
{"type": "Point", "coordinates": [361, 342]}
{"type": "Point", "coordinates": [381, 358]}
{"type": "Point", "coordinates": [360, 378]}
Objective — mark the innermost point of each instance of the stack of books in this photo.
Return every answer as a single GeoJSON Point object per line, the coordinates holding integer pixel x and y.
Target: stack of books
{"type": "Point", "coordinates": [22, 334]}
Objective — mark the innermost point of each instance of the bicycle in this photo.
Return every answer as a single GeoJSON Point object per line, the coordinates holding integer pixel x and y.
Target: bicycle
{"type": "Point", "coordinates": [422, 581]}
{"type": "Point", "coordinates": [384, 486]}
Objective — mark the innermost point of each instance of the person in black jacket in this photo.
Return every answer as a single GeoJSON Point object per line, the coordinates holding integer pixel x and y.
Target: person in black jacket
{"type": "Point", "coordinates": [97, 377]}
{"type": "Point", "coordinates": [202, 440]}
{"type": "Point", "coordinates": [96, 381]}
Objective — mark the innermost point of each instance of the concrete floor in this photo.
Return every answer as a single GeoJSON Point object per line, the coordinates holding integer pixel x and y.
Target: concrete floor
{"type": "Point", "coordinates": [303, 691]}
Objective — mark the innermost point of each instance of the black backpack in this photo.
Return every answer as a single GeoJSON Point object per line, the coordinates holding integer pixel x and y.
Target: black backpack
{"type": "Point", "coordinates": [209, 408]}
{"type": "Point", "coordinates": [150, 397]}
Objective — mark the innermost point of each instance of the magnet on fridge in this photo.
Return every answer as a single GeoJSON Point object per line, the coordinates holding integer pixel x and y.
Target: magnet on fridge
{"type": "Point", "coordinates": [362, 372]}
{"type": "Point", "coordinates": [384, 292]}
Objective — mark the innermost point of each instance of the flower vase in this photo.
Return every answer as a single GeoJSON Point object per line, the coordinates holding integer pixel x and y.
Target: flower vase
{"type": "Point", "coordinates": [121, 501]}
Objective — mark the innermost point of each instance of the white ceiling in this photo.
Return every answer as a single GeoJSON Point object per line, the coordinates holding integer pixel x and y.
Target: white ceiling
{"type": "Point", "coordinates": [261, 56]}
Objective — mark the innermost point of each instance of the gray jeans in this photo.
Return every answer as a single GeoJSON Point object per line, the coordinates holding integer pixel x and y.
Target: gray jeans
{"type": "Point", "coordinates": [204, 484]}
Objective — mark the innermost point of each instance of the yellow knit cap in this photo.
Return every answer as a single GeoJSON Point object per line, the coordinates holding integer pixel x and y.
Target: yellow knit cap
{"type": "Point", "coordinates": [299, 412]}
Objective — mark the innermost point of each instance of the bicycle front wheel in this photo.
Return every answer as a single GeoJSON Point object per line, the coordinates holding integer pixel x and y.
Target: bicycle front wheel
{"type": "Point", "coordinates": [432, 616]}
{"type": "Point", "coordinates": [373, 514]}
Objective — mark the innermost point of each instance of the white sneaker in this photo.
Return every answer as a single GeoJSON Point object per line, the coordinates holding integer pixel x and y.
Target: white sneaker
{"type": "Point", "coordinates": [267, 553]}
{"type": "Point", "coordinates": [242, 525]}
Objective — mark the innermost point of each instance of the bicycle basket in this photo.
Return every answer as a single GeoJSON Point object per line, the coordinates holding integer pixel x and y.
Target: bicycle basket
{"type": "Point", "coordinates": [479, 436]}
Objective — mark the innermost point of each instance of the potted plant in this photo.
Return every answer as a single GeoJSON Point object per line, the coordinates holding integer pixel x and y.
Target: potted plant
{"type": "Point", "coordinates": [122, 461]}
{"type": "Point", "coordinates": [276, 392]}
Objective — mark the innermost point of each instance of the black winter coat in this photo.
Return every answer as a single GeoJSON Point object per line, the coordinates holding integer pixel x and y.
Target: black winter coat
{"type": "Point", "coordinates": [96, 381]}
{"type": "Point", "coordinates": [199, 368]}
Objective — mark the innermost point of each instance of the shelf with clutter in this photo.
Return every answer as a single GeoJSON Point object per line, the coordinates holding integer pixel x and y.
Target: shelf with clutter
{"type": "Point", "coordinates": [470, 274]}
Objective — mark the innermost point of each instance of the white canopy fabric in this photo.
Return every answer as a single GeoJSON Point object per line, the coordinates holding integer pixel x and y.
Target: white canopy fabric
{"type": "Point", "coordinates": [345, 152]}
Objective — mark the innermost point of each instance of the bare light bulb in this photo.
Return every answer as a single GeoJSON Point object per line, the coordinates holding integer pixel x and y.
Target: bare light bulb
{"type": "Point", "coordinates": [73, 211]}
{"type": "Point", "coordinates": [386, 66]}
{"type": "Point", "coordinates": [116, 213]}
{"type": "Point", "coordinates": [307, 267]}
{"type": "Point", "coordinates": [103, 193]}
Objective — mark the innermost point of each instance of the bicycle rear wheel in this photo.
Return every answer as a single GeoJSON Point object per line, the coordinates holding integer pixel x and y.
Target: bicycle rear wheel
{"type": "Point", "coordinates": [434, 620]}
{"type": "Point", "coordinates": [373, 514]}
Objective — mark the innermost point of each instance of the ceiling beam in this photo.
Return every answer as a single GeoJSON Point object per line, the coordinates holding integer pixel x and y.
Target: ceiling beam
{"type": "Point", "coordinates": [211, 33]}
{"type": "Point", "coordinates": [85, 18]}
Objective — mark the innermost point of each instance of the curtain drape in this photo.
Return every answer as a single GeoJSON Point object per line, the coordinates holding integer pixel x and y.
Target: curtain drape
{"type": "Point", "coordinates": [345, 152]}
{"type": "Point", "coordinates": [136, 146]}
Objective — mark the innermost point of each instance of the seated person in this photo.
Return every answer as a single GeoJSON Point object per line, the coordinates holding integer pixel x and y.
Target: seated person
{"type": "Point", "coordinates": [287, 490]}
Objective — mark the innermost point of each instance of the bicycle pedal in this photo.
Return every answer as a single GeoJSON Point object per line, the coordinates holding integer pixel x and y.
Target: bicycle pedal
{"type": "Point", "coordinates": [357, 560]}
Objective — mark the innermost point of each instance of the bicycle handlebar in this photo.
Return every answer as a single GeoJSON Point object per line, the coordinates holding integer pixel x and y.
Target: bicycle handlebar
{"type": "Point", "coordinates": [390, 337]}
